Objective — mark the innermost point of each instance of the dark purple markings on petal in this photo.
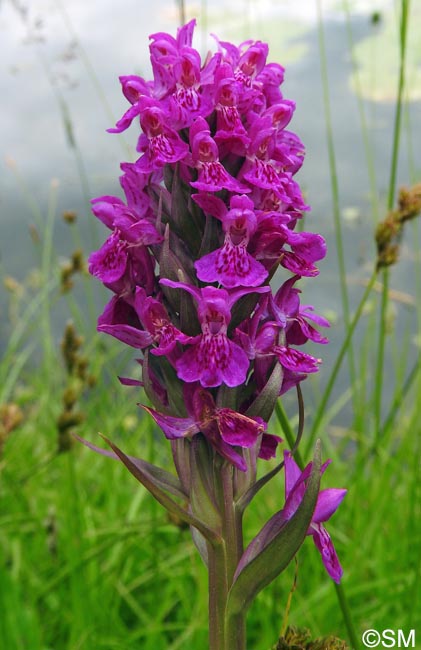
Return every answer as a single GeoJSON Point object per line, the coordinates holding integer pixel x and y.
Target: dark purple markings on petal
{"type": "Point", "coordinates": [298, 265]}
{"type": "Point", "coordinates": [214, 177]}
{"type": "Point", "coordinates": [235, 372]}
{"type": "Point", "coordinates": [109, 262]}
{"type": "Point", "coordinates": [212, 361]}
{"type": "Point", "coordinates": [325, 546]}
{"type": "Point", "coordinates": [238, 429]}
{"type": "Point", "coordinates": [263, 174]}
{"type": "Point", "coordinates": [189, 99]}
{"type": "Point", "coordinates": [232, 266]}
{"type": "Point", "coordinates": [296, 360]}
{"type": "Point", "coordinates": [230, 118]}
{"type": "Point", "coordinates": [167, 336]}
{"type": "Point", "coordinates": [233, 260]}
{"type": "Point", "coordinates": [162, 147]}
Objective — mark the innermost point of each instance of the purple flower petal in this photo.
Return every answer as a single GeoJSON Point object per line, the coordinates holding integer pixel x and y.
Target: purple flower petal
{"type": "Point", "coordinates": [329, 557]}
{"type": "Point", "coordinates": [213, 360]}
{"type": "Point", "coordinates": [328, 502]}
{"type": "Point", "coordinates": [292, 472]}
{"type": "Point", "coordinates": [231, 266]}
{"type": "Point", "coordinates": [238, 429]}
{"type": "Point", "coordinates": [127, 334]}
{"type": "Point", "coordinates": [110, 261]}
{"type": "Point", "coordinates": [296, 360]}
{"type": "Point", "coordinates": [269, 446]}
{"type": "Point", "coordinates": [173, 427]}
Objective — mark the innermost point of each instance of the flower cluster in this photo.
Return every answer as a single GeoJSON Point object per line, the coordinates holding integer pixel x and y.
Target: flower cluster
{"type": "Point", "coordinates": [209, 215]}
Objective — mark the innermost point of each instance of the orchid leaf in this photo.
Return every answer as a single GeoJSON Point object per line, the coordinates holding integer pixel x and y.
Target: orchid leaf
{"type": "Point", "coordinates": [265, 402]}
{"type": "Point", "coordinates": [181, 455]}
{"type": "Point", "coordinates": [202, 499]}
{"type": "Point", "coordinates": [154, 486]}
{"type": "Point", "coordinates": [160, 477]}
{"type": "Point", "coordinates": [270, 552]}
{"type": "Point", "coordinates": [171, 267]}
{"type": "Point", "coordinates": [174, 387]}
{"type": "Point", "coordinates": [242, 310]}
{"type": "Point", "coordinates": [211, 238]}
{"type": "Point", "coordinates": [161, 496]}
{"type": "Point", "coordinates": [245, 498]}
{"type": "Point", "coordinates": [148, 387]}
{"type": "Point", "coordinates": [200, 544]}
{"type": "Point", "coordinates": [189, 228]}
{"type": "Point", "coordinates": [227, 397]}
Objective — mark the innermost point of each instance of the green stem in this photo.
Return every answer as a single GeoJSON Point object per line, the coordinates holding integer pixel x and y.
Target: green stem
{"type": "Point", "coordinates": [218, 592]}
{"type": "Point", "coordinates": [231, 522]}
{"type": "Point", "coordinates": [287, 430]}
{"type": "Point", "coordinates": [379, 375]}
{"type": "Point", "coordinates": [399, 101]}
{"type": "Point", "coordinates": [233, 535]}
{"type": "Point", "coordinates": [346, 614]}
{"type": "Point", "coordinates": [340, 593]}
{"type": "Point", "coordinates": [378, 382]}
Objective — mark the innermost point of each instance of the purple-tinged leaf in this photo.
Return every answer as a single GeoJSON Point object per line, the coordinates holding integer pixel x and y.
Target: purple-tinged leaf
{"type": "Point", "coordinates": [162, 479]}
{"type": "Point", "coordinates": [159, 492]}
{"type": "Point", "coordinates": [202, 498]}
{"type": "Point", "coordinates": [270, 552]}
{"type": "Point", "coordinates": [173, 427]}
{"type": "Point", "coordinates": [265, 402]}
{"type": "Point", "coordinates": [129, 381]}
{"type": "Point", "coordinates": [153, 389]}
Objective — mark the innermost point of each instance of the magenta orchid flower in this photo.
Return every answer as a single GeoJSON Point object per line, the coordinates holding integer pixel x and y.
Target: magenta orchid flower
{"type": "Point", "coordinates": [210, 213]}
{"type": "Point", "coordinates": [231, 265]}
{"type": "Point", "coordinates": [156, 321]}
{"type": "Point", "coordinates": [328, 502]}
{"type": "Point", "coordinates": [212, 175]}
{"type": "Point", "coordinates": [224, 428]}
{"type": "Point", "coordinates": [213, 358]}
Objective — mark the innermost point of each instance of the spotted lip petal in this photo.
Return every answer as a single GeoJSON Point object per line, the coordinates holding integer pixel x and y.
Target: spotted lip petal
{"type": "Point", "coordinates": [213, 177]}
{"type": "Point", "coordinates": [110, 261]}
{"type": "Point", "coordinates": [231, 266]}
{"type": "Point", "coordinates": [238, 429]}
{"type": "Point", "coordinates": [214, 360]}
{"type": "Point", "coordinates": [329, 556]}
